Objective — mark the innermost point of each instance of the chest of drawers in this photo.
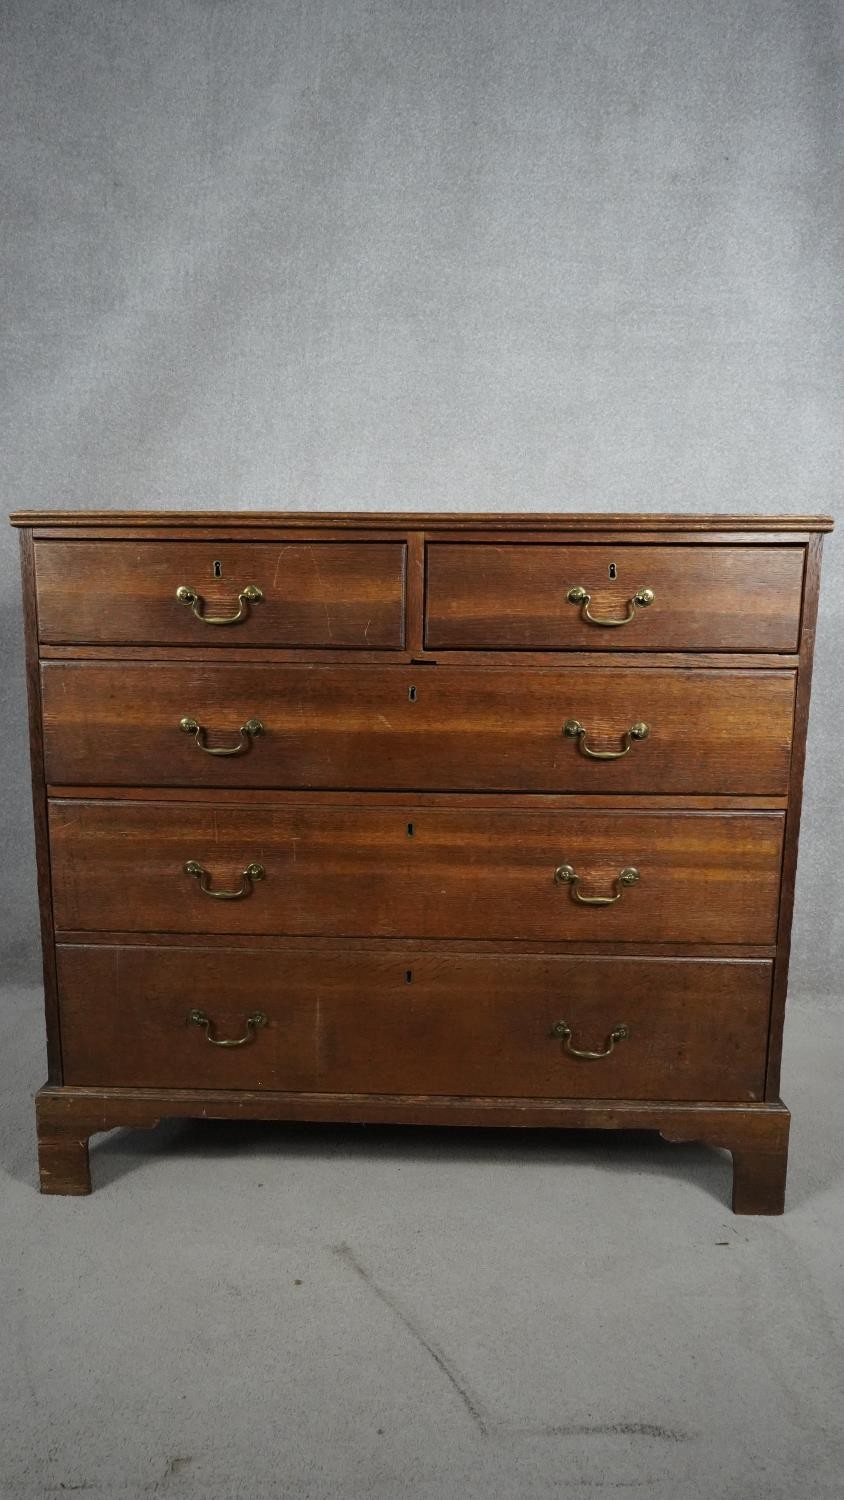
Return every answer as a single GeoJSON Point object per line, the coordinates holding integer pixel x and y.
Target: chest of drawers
{"type": "Point", "coordinates": [438, 819]}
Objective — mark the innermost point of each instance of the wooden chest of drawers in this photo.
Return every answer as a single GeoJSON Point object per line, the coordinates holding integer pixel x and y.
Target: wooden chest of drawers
{"type": "Point", "coordinates": [439, 819]}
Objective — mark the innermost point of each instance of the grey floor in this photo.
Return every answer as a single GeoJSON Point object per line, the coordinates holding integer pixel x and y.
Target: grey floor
{"type": "Point", "coordinates": [245, 1310]}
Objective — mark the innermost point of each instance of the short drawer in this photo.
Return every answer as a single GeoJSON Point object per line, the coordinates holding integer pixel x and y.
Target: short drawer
{"type": "Point", "coordinates": [443, 728]}
{"type": "Point", "coordinates": [491, 596]}
{"type": "Point", "coordinates": [337, 595]}
{"type": "Point", "coordinates": [415, 872]}
{"type": "Point", "coordinates": [409, 1023]}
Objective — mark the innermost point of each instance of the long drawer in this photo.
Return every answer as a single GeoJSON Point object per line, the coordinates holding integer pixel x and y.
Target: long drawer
{"type": "Point", "coordinates": [334, 594]}
{"type": "Point", "coordinates": [562, 596]}
{"type": "Point", "coordinates": [408, 1023]}
{"type": "Point", "coordinates": [156, 724]}
{"type": "Point", "coordinates": [415, 872]}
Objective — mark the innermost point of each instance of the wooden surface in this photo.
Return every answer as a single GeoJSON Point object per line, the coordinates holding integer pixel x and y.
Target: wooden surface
{"type": "Point", "coordinates": [792, 832]}
{"type": "Point", "coordinates": [511, 596]}
{"type": "Point", "coordinates": [757, 1135]}
{"type": "Point", "coordinates": [491, 946]}
{"type": "Point", "coordinates": [333, 594]}
{"type": "Point", "coordinates": [451, 728]}
{"type": "Point", "coordinates": [596, 661]}
{"type": "Point", "coordinates": [409, 1023]}
{"type": "Point", "coordinates": [547, 801]}
{"type": "Point", "coordinates": [242, 520]}
{"type": "Point", "coordinates": [410, 801]}
{"type": "Point", "coordinates": [705, 877]}
{"type": "Point", "coordinates": [39, 809]}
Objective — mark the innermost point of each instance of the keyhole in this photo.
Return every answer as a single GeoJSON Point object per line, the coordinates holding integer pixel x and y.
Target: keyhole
{"type": "Point", "coordinates": [408, 976]}
{"type": "Point", "coordinates": [411, 693]}
{"type": "Point", "coordinates": [612, 570]}
{"type": "Point", "coordinates": [410, 830]}
{"type": "Point", "coordinates": [217, 569]}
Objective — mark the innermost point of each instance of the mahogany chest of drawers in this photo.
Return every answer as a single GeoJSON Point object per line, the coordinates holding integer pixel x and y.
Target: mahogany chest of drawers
{"type": "Point", "coordinates": [439, 819]}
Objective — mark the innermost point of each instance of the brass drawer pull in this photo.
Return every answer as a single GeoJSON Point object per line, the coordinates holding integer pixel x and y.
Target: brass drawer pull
{"type": "Point", "coordinates": [578, 595]}
{"type": "Point", "coordinates": [248, 732]}
{"type": "Point", "coordinates": [565, 875]}
{"type": "Point", "coordinates": [253, 1022]}
{"type": "Point", "coordinates": [250, 874]}
{"type": "Point", "coordinates": [575, 730]}
{"type": "Point", "coordinates": [563, 1031]}
{"type": "Point", "coordinates": [250, 595]}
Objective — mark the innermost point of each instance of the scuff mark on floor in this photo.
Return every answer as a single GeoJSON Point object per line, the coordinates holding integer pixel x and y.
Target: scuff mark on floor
{"type": "Point", "coordinates": [440, 1359]}
{"type": "Point", "coordinates": [486, 1424]}
{"type": "Point", "coordinates": [608, 1429]}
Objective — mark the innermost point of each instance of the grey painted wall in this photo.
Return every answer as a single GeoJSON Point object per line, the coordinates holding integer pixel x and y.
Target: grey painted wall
{"type": "Point", "coordinates": [492, 254]}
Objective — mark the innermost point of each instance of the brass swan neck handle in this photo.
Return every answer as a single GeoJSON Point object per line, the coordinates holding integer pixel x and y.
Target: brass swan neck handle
{"type": "Point", "coordinates": [562, 1030]}
{"type": "Point", "coordinates": [253, 1022]}
{"type": "Point", "coordinates": [248, 731]}
{"type": "Point", "coordinates": [566, 875]}
{"type": "Point", "coordinates": [579, 595]}
{"type": "Point", "coordinates": [252, 873]}
{"type": "Point", "coordinates": [573, 729]}
{"type": "Point", "coordinates": [250, 595]}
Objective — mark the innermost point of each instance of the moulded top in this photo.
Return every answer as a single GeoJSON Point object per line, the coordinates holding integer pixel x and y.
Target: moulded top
{"type": "Point", "coordinates": [415, 520]}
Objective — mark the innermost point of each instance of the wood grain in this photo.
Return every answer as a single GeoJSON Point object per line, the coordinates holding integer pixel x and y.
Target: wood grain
{"type": "Point", "coordinates": [39, 809]}
{"type": "Point", "coordinates": [409, 941]}
{"type": "Point", "coordinates": [327, 593]}
{"type": "Point", "coordinates": [755, 1133]}
{"type": "Point", "coordinates": [415, 1023]}
{"type": "Point", "coordinates": [792, 831]}
{"type": "Point", "coordinates": [705, 877]}
{"type": "Point", "coordinates": [426, 520]}
{"type": "Point", "coordinates": [510, 595]}
{"type": "Point", "coordinates": [272, 797]}
{"type": "Point", "coordinates": [596, 661]}
{"type": "Point", "coordinates": [398, 727]}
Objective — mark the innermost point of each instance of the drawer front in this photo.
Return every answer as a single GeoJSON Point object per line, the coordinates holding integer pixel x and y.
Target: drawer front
{"type": "Point", "coordinates": [405, 728]}
{"type": "Point", "coordinates": [416, 872]}
{"type": "Point", "coordinates": [415, 1024]}
{"type": "Point", "coordinates": [320, 594]}
{"type": "Point", "coordinates": [515, 597]}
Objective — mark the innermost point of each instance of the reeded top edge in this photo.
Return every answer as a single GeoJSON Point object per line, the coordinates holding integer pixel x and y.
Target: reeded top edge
{"type": "Point", "coordinates": [415, 520]}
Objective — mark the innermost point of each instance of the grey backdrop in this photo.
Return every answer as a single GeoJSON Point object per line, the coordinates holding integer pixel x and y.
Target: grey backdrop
{"type": "Point", "coordinates": [431, 254]}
